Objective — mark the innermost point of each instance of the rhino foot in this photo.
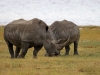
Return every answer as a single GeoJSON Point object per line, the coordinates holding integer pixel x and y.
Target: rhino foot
{"type": "Point", "coordinates": [75, 54]}
{"type": "Point", "coordinates": [35, 57]}
{"type": "Point", "coordinates": [20, 56]}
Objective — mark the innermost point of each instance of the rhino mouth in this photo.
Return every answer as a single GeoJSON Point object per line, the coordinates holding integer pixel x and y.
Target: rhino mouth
{"type": "Point", "coordinates": [54, 54]}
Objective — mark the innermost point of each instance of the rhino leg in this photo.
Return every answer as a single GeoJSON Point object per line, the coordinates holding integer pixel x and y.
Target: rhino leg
{"type": "Point", "coordinates": [75, 48]}
{"type": "Point", "coordinates": [10, 47]}
{"type": "Point", "coordinates": [67, 50]}
{"type": "Point", "coordinates": [17, 52]}
{"type": "Point", "coordinates": [25, 47]}
{"type": "Point", "coordinates": [36, 50]}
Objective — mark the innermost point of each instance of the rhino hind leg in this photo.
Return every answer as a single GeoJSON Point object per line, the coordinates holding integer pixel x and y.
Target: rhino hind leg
{"type": "Point", "coordinates": [24, 47]}
{"type": "Point", "coordinates": [75, 48]}
{"type": "Point", "coordinates": [17, 51]}
{"type": "Point", "coordinates": [67, 50]}
{"type": "Point", "coordinates": [36, 50]}
{"type": "Point", "coordinates": [10, 47]}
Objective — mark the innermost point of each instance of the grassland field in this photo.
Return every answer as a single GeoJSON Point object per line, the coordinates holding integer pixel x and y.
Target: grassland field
{"type": "Point", "coordinates": [86, 63]}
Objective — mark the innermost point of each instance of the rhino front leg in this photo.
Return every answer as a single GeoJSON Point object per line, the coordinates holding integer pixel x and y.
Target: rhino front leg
{"type": "Point", "coordinates": [36, 50]}
{"type": "Point", "coordinates": [25, 47]}
{"type": "Point", "coordinates": [67, 50]}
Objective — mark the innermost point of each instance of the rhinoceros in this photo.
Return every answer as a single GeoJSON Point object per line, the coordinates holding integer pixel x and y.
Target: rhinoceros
{"type": "Point", "coordinates": [65, 30]}
{"type": "Point", "coordinates": [26, 34]}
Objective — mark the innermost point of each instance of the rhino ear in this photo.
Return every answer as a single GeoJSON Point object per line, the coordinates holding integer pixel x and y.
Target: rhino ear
{"type": "Point", "coordinates": [42, 23]}
{"type": "Point", "coordinates": [46, 28]}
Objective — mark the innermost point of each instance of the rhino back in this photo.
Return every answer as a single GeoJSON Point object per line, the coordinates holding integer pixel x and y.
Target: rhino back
{"type": "Point", "coordinates": [28, 31]}
{"type": "Point", "coordinates": [34, 32]}
{"type": "Point", "coordinates": [13, 32]}
{"type": "Point", "coordinates": [62, 29]}
{"type": "Point", "coordinates": [71, 27]}
{"type": "Point", "coordinates": [59, 30]}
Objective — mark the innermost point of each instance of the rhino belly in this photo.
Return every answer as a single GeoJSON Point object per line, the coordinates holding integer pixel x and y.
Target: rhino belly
{"type": "Point", "coordinates": [15, 42]}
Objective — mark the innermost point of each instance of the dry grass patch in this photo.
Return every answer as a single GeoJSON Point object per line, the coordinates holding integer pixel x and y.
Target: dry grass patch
{"type": "Point", "coordinates": [86, 63]}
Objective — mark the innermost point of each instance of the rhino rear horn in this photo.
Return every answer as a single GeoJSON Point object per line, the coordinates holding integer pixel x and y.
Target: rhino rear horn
{"type": "Point", "coordinates": [65, 43]}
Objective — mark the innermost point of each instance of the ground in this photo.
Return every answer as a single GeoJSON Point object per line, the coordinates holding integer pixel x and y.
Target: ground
{"type": "Point", "coordinates": [86, 63]}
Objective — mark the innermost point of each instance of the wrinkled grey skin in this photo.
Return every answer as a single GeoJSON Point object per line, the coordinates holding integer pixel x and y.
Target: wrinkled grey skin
{"type": "Point", "coordinates": [66, 31]}
{"type": "Point", "coordinates": [26, 34]}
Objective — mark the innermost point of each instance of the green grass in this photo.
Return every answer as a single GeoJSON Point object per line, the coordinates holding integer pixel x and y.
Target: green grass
{"type": "Point", "coordinates": [86, 63]}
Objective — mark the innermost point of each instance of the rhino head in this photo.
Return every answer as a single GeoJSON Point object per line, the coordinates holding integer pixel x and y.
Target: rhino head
{"type": "Point", "coordinates": [50, 45]}
{"type": "Point", "coordinates": [53, 46]}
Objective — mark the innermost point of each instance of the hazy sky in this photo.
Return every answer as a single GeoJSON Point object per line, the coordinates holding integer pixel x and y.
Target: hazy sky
{"type": "Point", "coordinates": [81, 12]}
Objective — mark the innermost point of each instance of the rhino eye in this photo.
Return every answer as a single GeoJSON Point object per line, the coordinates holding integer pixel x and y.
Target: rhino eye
{"type": "Point", "coordinates": [51, 43]}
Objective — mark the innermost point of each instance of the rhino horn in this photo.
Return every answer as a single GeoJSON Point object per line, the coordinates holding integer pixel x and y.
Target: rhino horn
{"type": "Point", "coordinates": [62, 44]}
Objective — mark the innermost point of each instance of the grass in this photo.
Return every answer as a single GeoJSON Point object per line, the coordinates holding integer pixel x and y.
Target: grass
{"type": "Point", "coordinates": [86, 63]}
